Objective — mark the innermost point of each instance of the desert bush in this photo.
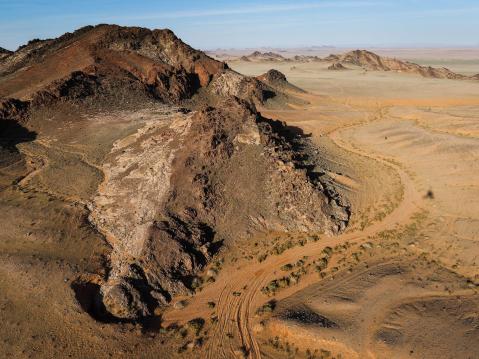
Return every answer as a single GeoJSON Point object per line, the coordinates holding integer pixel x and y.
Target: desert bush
{"type": "Point", "coordinates": [286, 267]}
{"type": "Point", "coordinates": [196, 324]}
{"type": "Point", "coordinates": [267, 307]}
{"type": "Point", "coordinates": [211, 305]}
{"type": "Point", "coordinates": [321, 264]}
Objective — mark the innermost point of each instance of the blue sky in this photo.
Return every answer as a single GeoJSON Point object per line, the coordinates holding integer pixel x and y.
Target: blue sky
{"type": "Point", "coordinates": [209, 24]}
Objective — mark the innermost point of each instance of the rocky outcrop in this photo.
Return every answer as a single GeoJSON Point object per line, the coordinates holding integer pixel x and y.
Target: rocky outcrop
{"type": "Point", "coordinates": [273, 77]}
{"type": "Point", "coordinates": [277, 80]}
{"type": "Point", "coordinates": [231, 83]}
{"type": "Point", "coordinates": [264, 56]}
{"type": "Point", "coordinates": [214, 175]}
{"type": "Point", "coordinates": [306, 58]}
{"type": "Point", "coordinates": [270, 90]}
{"type": "Point", "coordinates": [13, 109]}
{"type": "Point", "coordinates": [332, 58]}
{"type": "Point", "coordinates": [337, 66]}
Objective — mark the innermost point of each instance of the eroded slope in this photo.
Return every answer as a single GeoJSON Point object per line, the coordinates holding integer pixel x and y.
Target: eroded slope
{"type": "Point", "coordinates": [176, 190]}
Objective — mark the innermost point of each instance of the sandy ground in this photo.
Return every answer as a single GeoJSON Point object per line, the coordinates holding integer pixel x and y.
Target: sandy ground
{"type": "Point", "coordinates": [401, 282]}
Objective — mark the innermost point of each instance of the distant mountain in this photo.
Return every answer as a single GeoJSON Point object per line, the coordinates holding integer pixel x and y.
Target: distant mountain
{"type": "Point", "coordinates": [371, 61]}
{"type": "Point", "coordinates": [306, 58]}
{"type": "Point", "coordinates": [264, 56]}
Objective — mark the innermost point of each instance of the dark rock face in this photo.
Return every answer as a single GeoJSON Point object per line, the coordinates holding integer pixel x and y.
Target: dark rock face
{"type": "Point", "coordinates": [12, 132]}
{"type": "Point", "coordinates": [12, 109]}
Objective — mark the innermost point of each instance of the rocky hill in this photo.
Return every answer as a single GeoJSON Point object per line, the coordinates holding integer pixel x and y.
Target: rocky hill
{"type": "Point", "coordinates": [264, 56]}
{"type": "Point", "coordinates": [277, 80]}
{"type": "Point", "coordinates": [306, 58]}
{"type": "Point", "coordinates": [181, 183]}
{"type": "Point", "coordinates": [97, 58]}
{"type": "Point", "coordinates": [233, 174]}
{"type": "Point", "coordinates": [270, 90]}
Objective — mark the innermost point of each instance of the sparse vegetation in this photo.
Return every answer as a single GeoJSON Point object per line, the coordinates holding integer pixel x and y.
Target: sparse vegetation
{"type": "Point", "coordinates": [196, 325]}
{"type": "Point", "coordinates": [286, 267]}
{"type": "Point", "coordinates": [267, 307]}
{"type": "Point", "coordinates": [211, 305]}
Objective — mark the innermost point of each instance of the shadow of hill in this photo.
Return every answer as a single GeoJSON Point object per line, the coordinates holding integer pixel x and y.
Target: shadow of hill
{"type": "Point", "coordinates": [12, 133]}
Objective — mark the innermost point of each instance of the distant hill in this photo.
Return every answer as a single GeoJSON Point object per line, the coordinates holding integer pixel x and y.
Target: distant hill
{"type": "Point", "coordinates": [371, 61]}
{"type": "Point", "coordinates": [277, 80]}
{"type": "Point", "coordinates": [264, 56]}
